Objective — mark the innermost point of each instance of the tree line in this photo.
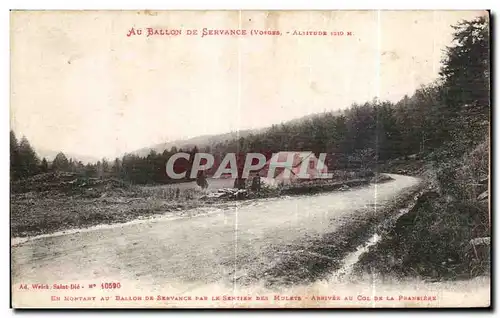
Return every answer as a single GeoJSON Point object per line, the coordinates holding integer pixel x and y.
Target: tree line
{"type": "Point", "coordinates": [454, 108]}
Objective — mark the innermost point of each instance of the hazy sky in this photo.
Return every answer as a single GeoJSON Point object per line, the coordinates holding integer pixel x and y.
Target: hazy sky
{"type": "Point", "coordinates": [80, 85]}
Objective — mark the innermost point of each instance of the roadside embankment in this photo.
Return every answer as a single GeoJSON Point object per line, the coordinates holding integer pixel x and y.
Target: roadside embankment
{"type": "Point", "coordinates": [446, 234]}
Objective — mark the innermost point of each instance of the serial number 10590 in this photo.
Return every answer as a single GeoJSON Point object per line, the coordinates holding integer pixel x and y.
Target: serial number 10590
{"type": "Point", "coordinates": [110, 285]}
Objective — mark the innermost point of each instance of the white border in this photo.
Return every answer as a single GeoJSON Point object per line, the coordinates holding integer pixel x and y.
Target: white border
{"type": "Point", "coordinates": [198, 5]}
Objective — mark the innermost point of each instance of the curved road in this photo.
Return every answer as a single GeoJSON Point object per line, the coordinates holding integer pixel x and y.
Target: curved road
{"type": "Point", "coordinates": [222, 246]}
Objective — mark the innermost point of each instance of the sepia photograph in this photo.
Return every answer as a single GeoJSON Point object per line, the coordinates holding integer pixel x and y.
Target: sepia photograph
{"type": "Point", "coordinates": [250, 159]}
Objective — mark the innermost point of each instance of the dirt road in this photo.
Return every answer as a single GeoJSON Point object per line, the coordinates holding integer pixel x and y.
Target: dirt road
{"type": "Point", "coordinates": [210, 259]}
{"type": "Point", "coordinates": [223, 246]}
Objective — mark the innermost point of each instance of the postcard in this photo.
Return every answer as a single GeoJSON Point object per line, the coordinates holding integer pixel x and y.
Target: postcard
{"type": "Point", "coordinates": [250, 159]}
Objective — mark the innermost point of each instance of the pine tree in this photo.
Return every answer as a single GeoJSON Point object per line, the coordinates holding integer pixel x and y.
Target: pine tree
{"type": "Point", "coordinates": [60, 162]}
{"type": "Point", "coordinates": [466, 70]}
{"type": "Point", "coordinates": [28, 161]}
{"type": "Point", "coordinates": [466, 77]}
{"type": "Point", "coordinates": [117, 167]}
{"type": "Point", "coordinates": [44, 166]}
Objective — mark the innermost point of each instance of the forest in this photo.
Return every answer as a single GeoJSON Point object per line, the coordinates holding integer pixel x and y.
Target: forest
{"type": "Point", "coordinates": [446, 118]}
{"type": "Point", "coordinates": [444, 124]}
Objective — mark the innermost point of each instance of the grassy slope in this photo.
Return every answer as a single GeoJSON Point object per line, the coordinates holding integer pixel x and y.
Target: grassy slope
{"type": "Point", "coordinates": [35, 213]}
{"type": "Point", "coordinates": [433, 240]}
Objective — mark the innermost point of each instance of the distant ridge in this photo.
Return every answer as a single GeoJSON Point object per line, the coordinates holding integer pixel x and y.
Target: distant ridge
{"type": "Point", "coordinates": [185, 144]}
{"type": "Point", "coordinates": [209, 140]}
{"type": "Point", "coordinates": [199, 141]}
